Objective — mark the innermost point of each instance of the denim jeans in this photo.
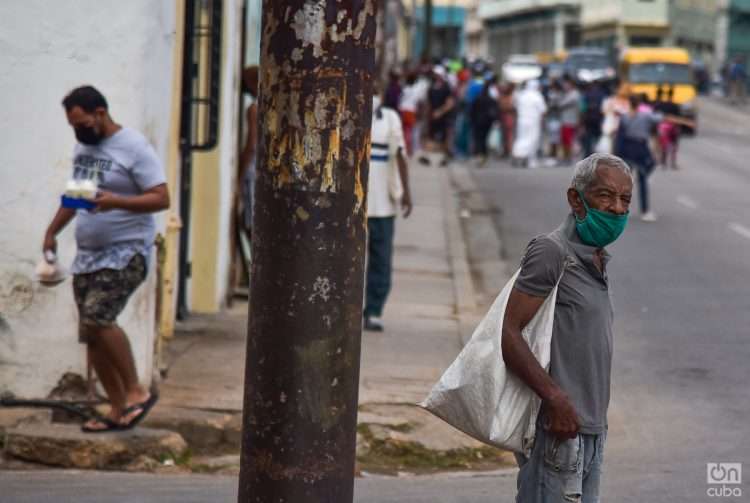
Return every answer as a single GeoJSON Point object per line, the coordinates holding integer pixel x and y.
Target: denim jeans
{"type": "Point", "coordinates": [379, 263]}
{"type": "Point", "coordinates": [561, 471]}
{"type": "Point", "coordinates": [643, 190]}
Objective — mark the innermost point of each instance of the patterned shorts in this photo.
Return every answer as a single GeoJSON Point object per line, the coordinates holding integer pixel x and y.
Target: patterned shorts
{"type": "Point", "coordinates": [102, 295]}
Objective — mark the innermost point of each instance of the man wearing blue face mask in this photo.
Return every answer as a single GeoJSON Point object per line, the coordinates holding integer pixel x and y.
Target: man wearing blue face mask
{"type": "Point", "coordinates": [565, 463]}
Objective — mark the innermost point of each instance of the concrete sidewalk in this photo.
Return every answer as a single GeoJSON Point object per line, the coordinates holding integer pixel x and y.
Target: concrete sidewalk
{"type": "Point", "coordinates": [206, 359]}
{"type": "Point", "coordinates": [433, 296]}
{"type": "Point", "coordinates": [432, 293]}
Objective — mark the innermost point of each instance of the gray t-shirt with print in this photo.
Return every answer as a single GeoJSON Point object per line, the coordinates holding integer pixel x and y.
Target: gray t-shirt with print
{"type": "Point", "coordinates": [581, 351]}
{"type": "Point", "coordinates": [124, 164]}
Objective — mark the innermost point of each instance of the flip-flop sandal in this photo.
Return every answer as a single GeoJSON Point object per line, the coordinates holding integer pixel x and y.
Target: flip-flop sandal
{"type": "Point", "coordinates": [144, 407]}
{"type": "Point", "coordinates": [110, 425]}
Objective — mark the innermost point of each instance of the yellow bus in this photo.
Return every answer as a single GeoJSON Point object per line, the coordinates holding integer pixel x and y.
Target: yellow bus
{"type": "Point", "coordinates": [645, 70]}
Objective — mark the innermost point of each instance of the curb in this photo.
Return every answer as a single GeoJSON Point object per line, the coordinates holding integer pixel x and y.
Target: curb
{"type": "Point", "coordinates": [464, 291]}
{"type": "Point", "coordinates": [490, 270]}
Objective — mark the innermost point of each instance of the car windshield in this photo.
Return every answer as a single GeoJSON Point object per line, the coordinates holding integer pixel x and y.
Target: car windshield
{"type": "Point", "coordinates": [658, 73]}
{"type": "Point", "coordinates": [588, 61]}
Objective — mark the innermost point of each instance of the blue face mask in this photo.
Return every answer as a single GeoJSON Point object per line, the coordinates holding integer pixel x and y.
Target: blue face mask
{"type": "Point", "coordinates": [599, 228]}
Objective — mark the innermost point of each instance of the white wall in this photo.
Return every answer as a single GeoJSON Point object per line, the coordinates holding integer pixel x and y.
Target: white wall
{"type": "Point", "coordinates": [46, 49]}
{"type": "Point", "coordinates": [229, 110]}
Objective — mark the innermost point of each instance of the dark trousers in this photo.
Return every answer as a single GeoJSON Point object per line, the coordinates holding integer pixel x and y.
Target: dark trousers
{"type": "Point", "coordinates": [588, 143]}
{"type": "Point", "coordinates": [643, 189]}
{"type": "Point", "coordinates": [379, 263]}
{"type": "Point", "coordinates": [480, 133]}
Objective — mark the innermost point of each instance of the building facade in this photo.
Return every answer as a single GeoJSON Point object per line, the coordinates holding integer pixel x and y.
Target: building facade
{"type": "Point", "coordinates": [693, 25]}
{"type": "Point", "coordinates": [613, 24]}
{"type": "Point", "coordinates": [732, 31]}
{"type": "Point", "coordinates": [447, 31]}
{"type": "Point", "coordinates": [475, 45]}
{"type": "Point", "coordinates": [529, 26]}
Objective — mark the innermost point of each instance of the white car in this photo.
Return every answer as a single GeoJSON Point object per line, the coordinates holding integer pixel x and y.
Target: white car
{"type": "Point", "coordinates": [520, 68]}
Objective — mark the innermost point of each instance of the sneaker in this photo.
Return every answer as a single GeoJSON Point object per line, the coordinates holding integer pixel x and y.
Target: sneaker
{"type": "Point", "coordinates": [649, 216]}
{"type": "Point", "coordinates": [373, 324]}
{"type": "Point", "coordinates": [424, 161]}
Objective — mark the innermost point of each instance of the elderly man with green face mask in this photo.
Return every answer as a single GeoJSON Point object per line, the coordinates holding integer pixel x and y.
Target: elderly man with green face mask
{"type": "Point", "coordinates": [566, 459]}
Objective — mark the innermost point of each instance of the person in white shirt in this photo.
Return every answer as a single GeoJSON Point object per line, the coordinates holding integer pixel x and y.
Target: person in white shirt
{"type": "Point", "coordinates": [412, 99]}
{"type": "Point", "coordinates": [388, 187]}
{"type": "Point", "coordinates": [530, 108]}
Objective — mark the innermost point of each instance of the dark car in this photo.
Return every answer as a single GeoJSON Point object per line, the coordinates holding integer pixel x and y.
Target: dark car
{"type": "Point", "coordinates": [589, 64]}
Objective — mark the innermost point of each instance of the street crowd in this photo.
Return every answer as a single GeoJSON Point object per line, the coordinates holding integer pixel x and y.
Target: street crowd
{"type": "Point", "coordinates": [464, 110]}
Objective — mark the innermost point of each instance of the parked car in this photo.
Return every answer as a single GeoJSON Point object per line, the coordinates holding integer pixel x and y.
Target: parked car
{"type": "Point", "coordinates": [589, 64]}
{"type": "Point", "coordinates": [520, 68]}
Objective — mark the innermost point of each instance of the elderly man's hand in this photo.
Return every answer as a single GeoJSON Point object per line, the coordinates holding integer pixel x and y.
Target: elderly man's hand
{"type": "Point", "coordinates": [561, 416]}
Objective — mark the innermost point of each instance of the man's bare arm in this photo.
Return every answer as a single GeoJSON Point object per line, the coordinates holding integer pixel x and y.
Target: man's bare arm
{"type": "Point", "coordinates": [153, 200]}
{"type": "Point", "coordinates": [60, 220]}
{"type": "Point", "coordinates": [560, 413]}
{"type": "Point", "coordinates": [403, 172]}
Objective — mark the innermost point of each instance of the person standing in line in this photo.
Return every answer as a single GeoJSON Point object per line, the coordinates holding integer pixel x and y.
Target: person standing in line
{"type": "Point", "coordinates": [441, 105]}
{"type": "Point", "coordinates": [644, 104]}
{"type": "Point", "coordinates": [633, 145]}
{"type": "Point", "coordinates": [393, 90]}
{"type": "Point", "coordinates": [613, 108]}
{"type": "Point", "coordinates": [484, 112]}
{"type": "Point", "coordinates": [507, 118]}
{"type": "Point", "coordinates": [412, 99]}
{"type": "Point", "coordinates": [531, 108]}
{"type": "Point", "coordinates": [738, 82]}
{"type": "Point", "coordinates": [463, 146]}
{"type": "Point", "coordinates": [567, 456]}
{"type": "Point", "coordinates": [570, 114]}
{"type": "Point", "coordinates": [388, 187]}
{"type": "Point", "coordinates": [552, 121]}
{"type": "Point", "coordinates": [114, 243]}
{"type": "Point", "coordinates": [421, 127]}
{"type": "Point", "coordinates": [669, 129]}
{"type": "Point", "coordinates": [592, 117]}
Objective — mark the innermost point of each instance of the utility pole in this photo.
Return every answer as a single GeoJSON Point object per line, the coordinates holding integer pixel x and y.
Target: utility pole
{"type": "Point", "coordinates": [308, 249]}
{"type": "Point", "coordinates": [427, 50]}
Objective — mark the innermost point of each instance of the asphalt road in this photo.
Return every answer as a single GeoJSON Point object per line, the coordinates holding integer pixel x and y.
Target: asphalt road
{"type": "Point", "coordinates": [681, 288]}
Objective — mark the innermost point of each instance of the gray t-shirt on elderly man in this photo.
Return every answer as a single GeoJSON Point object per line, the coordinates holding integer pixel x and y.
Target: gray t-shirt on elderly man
{"type": "Point", "coordinates": [127, 165]}
{"type": "Point", "coordinates": [581, 352]}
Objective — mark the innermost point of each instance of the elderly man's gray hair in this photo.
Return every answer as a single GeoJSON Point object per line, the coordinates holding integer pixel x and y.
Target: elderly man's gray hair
{"type": "Point", "coordinates": [585, 171]}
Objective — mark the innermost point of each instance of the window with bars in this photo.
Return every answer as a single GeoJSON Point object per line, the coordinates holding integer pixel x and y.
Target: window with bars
{"type": "Point", "coordinates": [201, 80]}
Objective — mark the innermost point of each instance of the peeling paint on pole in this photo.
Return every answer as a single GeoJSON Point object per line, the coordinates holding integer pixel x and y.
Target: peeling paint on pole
{"type": "Point", "coordinates": [302, 370]}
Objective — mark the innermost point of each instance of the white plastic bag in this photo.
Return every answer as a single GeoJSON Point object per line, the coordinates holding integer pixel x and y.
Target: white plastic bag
{"type": "Point", "coordinates": [495, 138]}
{"type": "Point", "coordinates": [479, 396]}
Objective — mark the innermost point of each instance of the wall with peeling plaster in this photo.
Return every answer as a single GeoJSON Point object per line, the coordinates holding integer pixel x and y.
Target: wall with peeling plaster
{"type": "Point", "coordinates": [46, 49]}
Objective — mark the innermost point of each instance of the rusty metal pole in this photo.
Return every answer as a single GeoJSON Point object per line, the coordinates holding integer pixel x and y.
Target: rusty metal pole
{"type": "Point", "coordinates": [427, 48]}
{"type": "Point", "coordinates": [305, 318]}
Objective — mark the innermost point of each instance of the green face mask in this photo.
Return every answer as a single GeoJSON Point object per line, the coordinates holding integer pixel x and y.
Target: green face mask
{"type": "Point", "coordinates": [600, 228]}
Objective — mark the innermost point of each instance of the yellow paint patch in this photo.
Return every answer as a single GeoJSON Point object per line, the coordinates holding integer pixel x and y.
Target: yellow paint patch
{"type": "Point", "coordinates": [302, 214]}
